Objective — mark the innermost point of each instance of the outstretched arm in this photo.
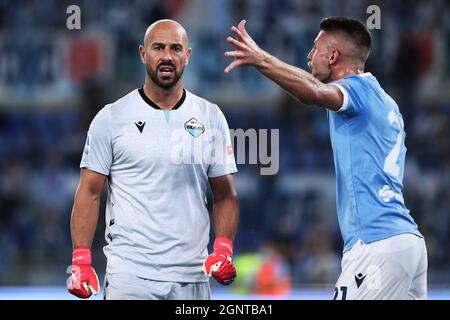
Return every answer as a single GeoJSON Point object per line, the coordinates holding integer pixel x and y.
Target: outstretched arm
{"type": "Point", "coordinates": [299, 83]}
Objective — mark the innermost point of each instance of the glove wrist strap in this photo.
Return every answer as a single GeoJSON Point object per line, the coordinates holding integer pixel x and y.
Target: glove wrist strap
{"type": "Point", "coordinates": [81, 256]}
{"type": "Point", "coordinates": [223, 244]}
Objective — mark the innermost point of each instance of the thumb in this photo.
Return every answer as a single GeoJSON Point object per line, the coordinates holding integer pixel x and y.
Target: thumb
{"type": "Point", "coordinates": [90, 288]}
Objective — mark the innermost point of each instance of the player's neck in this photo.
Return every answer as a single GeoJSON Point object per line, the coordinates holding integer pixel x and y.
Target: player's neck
{"type": "Point", "coordinates": [166, 99]}
{"type": "Point", "coordinates": [346, 71]}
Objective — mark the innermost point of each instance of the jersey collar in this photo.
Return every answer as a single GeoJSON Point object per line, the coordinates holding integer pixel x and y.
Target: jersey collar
{"type": "Point", "coordinates": [155, 106]}
{"type": "Point", "coordinates": [365, 74]}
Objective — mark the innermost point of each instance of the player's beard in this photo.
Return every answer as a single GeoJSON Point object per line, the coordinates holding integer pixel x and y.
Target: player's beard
{"type": "Point", "coordinates": [153, 74]}
{"type": "Point", "coordinates": [321, 78]}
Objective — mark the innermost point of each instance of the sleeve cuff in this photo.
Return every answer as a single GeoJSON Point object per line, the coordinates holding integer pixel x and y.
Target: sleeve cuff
{"type": "Point", "coordinates": [95, 169]}
{"type": "Point", "coordinates": [345, 96]}
{"type": "Point", "coordinates": [219, 173]}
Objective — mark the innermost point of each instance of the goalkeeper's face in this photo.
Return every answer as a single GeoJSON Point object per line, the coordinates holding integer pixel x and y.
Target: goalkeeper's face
{"type": "Point", "coordinates": [165, 53]}
{"type": "Point", "coordinates": [319, 61]}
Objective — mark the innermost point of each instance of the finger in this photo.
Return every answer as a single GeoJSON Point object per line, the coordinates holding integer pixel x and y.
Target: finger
{"type": "Point", "coordinates": [74, 283]}
{"type": "Point", "coordinates": [227, 271]}
{"type": "Point", "coordinates": [233, 65]}
{"type": "Point", "coordinates": [78, 293]}
{"type": "Point", "coordinates": [216, 266]}
{"type": "Point", "coordinates": [236, 43]}
{"type": "Point", "coordinates": [72, 291]}
{"type": "Point", "coordinates": [228, 268]}
{"type": "Point", "coordinates": [242, 29]}
{"type": "Point", "coordinates": [243, 34]}
{"type": "Point", "coordinates": [226, 280]}
{"type": "Point", "coordinates": [90, 289]}
{"type": "Point", "coordinates": [241, 25]}
{"type": "Point", "coordinates": [234, 54]}
{"type": "Point", "coordinates": [237, 32]}
{"type": "Point", "coordinates": [225, 276]}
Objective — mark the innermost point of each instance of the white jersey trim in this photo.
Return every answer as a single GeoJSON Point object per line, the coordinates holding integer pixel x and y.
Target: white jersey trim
{"type": "Point", "coordinates": [345, 98]}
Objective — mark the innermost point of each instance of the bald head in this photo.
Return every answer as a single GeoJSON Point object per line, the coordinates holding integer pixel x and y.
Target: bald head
{"type": "Point", "coordinates": [165, 54]}
{"type": "Point", "coordinates": [164, 29]}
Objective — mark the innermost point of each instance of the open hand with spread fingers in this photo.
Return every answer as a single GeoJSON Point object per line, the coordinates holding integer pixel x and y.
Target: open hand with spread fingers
{"type": "Point", "coordinates": [246, 51]}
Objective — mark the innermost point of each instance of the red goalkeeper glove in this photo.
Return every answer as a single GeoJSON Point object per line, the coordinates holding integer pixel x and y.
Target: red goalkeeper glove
{"type": "Point", "coordinates": [218, 264]}
{"type": "Point", "coordinates": [84, 281]}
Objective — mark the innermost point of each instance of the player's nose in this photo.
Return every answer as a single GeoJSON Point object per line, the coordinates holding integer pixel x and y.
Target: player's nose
{"type": "Point", "coordinates": [309, 56]}
{"type": "Point", "coordinates": [167, 56]}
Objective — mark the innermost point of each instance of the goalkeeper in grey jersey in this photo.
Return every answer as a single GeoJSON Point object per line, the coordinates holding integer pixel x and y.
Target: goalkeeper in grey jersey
{"type": "Point", "coordinates": [157, 148]}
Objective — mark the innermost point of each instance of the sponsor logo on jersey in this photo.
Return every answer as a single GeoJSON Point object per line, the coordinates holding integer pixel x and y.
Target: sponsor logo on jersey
{"type": "Point", "coordinates": [387, 194]}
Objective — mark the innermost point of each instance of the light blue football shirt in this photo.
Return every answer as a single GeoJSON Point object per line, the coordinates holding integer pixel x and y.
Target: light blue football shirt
{"type": "Point", "coordinates": [368, 142]}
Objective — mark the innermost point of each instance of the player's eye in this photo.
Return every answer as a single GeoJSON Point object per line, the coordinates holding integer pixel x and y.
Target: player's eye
{"type": "Point", "coordinates": [178, 49]}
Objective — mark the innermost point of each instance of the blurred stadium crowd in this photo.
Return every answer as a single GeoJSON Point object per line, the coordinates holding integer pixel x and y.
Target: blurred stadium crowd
{"type": "Point", "coordinates": [54, 80]}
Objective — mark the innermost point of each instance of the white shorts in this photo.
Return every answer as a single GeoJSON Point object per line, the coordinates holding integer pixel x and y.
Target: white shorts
{"type": "Point", "coordinates": [393, 269]}
{"type": "Point", "coordinates": [120, 286]}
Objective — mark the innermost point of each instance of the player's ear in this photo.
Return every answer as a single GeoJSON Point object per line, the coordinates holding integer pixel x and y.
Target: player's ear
{"type": "Point", "coordinates": [188, 55]}
{"type": "Point", "coordinates": [333, 57]}
{"type": "Point", "coordinates": [142, 53]}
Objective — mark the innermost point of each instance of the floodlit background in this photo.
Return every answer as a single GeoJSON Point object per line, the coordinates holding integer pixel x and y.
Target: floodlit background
{"type": "Point", "coordinates": [54, 80]}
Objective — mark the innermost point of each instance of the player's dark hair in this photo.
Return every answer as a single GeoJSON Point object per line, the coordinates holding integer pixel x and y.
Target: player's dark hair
{"type": "Point", "coordinates": [353, 29]}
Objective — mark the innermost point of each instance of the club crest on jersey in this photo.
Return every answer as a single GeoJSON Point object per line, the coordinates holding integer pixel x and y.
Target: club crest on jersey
{"type": "Point", "coordinates": [194, 127]}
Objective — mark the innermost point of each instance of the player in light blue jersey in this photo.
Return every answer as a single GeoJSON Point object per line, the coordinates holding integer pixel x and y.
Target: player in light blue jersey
{"type": "Point", "coordinates": [384, 253]}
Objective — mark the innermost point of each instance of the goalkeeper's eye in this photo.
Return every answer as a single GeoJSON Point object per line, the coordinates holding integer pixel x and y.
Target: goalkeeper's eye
{"type": "Point", "coordinates": [177, 48]}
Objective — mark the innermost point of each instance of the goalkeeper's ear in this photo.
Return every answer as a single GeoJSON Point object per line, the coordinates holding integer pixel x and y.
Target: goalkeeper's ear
{"type": "Point", "coordinates": [188, 55]}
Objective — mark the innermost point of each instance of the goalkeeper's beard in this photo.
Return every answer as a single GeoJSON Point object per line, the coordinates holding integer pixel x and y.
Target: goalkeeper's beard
{"type": "Point", "coordinates": [153, 74]}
